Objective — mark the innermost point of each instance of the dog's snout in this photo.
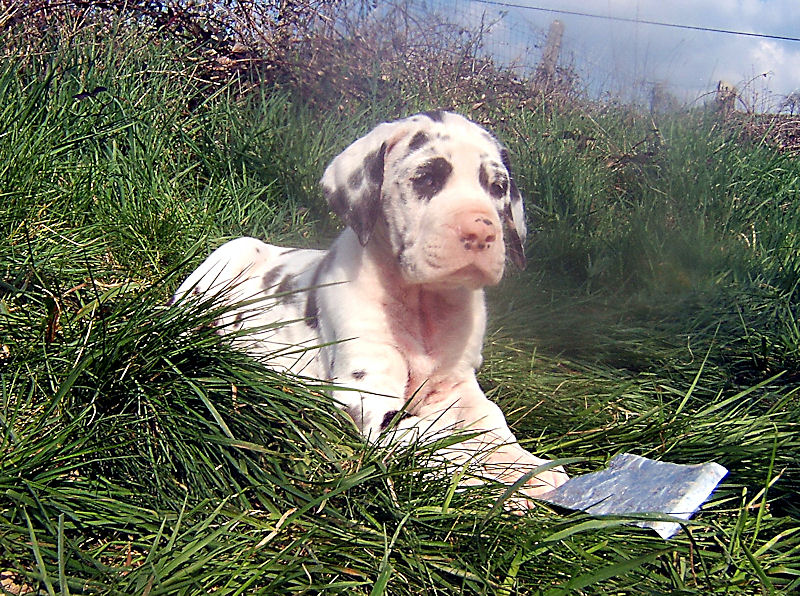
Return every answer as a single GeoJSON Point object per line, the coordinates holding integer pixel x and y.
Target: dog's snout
{"type": "Point", "coordinates": [476, 231]}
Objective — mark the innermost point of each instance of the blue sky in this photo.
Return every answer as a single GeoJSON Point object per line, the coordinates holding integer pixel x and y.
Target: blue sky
{"type": "Point", "coordinates": [624, 58]}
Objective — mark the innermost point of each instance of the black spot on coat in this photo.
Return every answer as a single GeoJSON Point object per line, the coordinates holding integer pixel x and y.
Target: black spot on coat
{"type": "Point", "coordinates": [373, 166]}
{"type": "Point", "coordinates": [286, 287]}
{"type": "Point", "coordinates": [311, 312]}
{"type": "Point", "coordinates": [435, 115]}
{"type": "Point", "coordinates": [360, 211]}
{"type": "Point", "coordinates": [269, 278]}
{"type": "Point", "coordinates": [389, 416]}
{"type": "Point", "coordinates": [337, 199]}
{"type": "Point", "coordinates": [355, 179]}
{"type": "Point", "coordinates": [417, 141]}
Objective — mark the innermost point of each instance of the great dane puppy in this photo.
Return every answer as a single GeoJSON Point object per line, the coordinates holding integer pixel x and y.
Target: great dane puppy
{"type": "Point", "coordinates": [393, 313]}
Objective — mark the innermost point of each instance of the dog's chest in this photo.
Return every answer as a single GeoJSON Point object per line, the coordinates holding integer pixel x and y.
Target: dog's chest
{"type": "Point", "coordinates": [432, 331]}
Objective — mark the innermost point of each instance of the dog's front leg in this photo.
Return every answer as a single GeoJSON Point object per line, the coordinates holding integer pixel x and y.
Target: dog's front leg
{"type": "Point", "coordinates": [494, 452]}
{"type": "Point", "coordinates": [371, 378]}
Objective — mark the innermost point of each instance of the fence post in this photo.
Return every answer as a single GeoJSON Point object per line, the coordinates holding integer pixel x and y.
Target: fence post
{"type": "Point", "coordinates": [725, 97]}
{"type": "Point", "coordinates": [547, 66]}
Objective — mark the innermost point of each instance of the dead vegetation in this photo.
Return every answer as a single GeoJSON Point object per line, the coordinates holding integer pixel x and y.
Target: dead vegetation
{"type": "Point", "coordinates": [781, 131]}
{"type": "Point", "coordinates": [333, 53]}
{"type": "Point", "coordinates": [337, 54]}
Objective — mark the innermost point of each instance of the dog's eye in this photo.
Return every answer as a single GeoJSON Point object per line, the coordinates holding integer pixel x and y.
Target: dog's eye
{"type": "Point", "coordinates": [498, 188]}
{"type": "Point", "coordinates": [431, 177]}
{"type": "Point", "coordinates": [424, 181]}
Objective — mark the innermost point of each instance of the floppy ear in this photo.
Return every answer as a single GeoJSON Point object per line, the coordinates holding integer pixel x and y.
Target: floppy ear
{"type": "Point", "coordinates": [514, 218]}
{"type": "Point", "coordinates": [353, 181]}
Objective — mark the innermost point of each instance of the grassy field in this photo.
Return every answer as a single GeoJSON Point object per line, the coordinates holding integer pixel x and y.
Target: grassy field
{"type": "Point", "coordinates": [140, 455]}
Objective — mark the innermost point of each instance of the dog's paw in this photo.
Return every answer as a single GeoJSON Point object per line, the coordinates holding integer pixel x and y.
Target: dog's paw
{"type": "Point", "coordinates": [526, 496]}
{"type": "Point", "coordinates": [545, 482]}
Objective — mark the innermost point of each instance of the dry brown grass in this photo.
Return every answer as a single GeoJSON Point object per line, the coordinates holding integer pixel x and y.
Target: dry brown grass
{"type": "Point", "coordinates": [333, 53]}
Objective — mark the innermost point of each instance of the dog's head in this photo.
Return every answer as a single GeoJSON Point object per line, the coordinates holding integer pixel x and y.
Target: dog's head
{"type": "Point", "coordinates": [437, 189]}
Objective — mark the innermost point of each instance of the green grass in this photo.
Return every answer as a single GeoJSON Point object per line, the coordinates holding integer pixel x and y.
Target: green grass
{"type": "Point", "coordinates": [139, 454]}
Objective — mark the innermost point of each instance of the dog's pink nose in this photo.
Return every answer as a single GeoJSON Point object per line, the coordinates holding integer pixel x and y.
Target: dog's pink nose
{"type": "Point", "coordinates": [476, 230]}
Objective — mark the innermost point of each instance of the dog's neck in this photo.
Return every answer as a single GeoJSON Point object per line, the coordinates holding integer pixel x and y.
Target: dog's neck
{"type": "Point", "coordinates": [427, 321]}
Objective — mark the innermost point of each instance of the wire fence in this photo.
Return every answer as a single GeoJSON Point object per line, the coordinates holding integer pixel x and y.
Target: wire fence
{"type": "Point", "coordinates": [515, 39]}
{"type": "Point", "coordinates": [510, 39]}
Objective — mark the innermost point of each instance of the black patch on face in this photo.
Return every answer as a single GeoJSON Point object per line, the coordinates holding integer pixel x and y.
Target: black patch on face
{"type": "Point", "coordinates": [270, 276]}
{"type": "Point", "coordinates": [496, 186]}
{"type": "Point", "coordinates": [435, 115]}
{"type": "Point", "coordinates": [515, 194]}
{"type": "Point", "coordinates": [358, 374]}
{"type": "Point", "coordinates": [431, 177]}
{"type": "Point", "coordinates": [417, 141]}
{"type": "Point", "coordinates": [389, 416]}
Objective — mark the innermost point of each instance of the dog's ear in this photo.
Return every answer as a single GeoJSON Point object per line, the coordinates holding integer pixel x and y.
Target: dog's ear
{"type": "Point", "coordinates": [514, 218]}
{"type": "Point", "coordinates": [353, 181]}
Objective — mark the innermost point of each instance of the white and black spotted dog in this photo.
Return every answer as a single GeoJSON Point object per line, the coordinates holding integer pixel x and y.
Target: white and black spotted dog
{"type": "Point", "coordinates": [394, 310]}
